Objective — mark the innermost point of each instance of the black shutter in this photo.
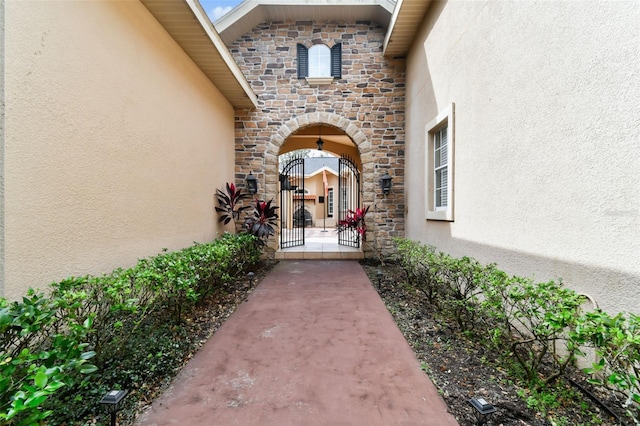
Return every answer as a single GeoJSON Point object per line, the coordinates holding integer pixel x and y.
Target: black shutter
{"type": "Point", "coordinates": [336, 61]}
{"type": "Point", "coordinates": [303, 61]}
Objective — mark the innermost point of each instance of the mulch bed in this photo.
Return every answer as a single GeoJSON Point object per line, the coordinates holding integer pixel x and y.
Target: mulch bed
{"type": "Point", "coordinates": [462, 369]}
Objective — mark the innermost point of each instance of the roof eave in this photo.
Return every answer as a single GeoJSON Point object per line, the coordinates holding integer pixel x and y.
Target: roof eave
{"type": "Point", "coordinates": [187, 23]}
{"type": "Point", "coordinates": [405, 22]}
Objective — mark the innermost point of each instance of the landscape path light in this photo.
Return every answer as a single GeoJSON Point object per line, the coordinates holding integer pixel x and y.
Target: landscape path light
{"type": "Point", "coordinates": [483, 409]}
{"type": "Point", "coordinates": [113, 403]}
{"type": "Point", "coordinates": [379, 275]}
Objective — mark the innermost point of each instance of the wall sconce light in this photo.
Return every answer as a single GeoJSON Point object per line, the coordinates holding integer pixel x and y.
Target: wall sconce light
{"type": "Point", "coordinates": [252, 183]}
{"type": "Point", "coordinates": [483, 409]}
{"type": "Point", "coordinates": [113, 403]}
{"type": "Point", "coordinates": [320, 142]}
{"type": "Point", "coordinates": [385, 183]}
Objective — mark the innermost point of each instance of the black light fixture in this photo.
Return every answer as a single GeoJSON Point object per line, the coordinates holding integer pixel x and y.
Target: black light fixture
{"type": "Point", "coordinates": [285, 183]}
{"type": "Point", "coordinates": [252, 183]}
{"type": "Point", "coordinates": [113, 403]}
{"type": "Point", "coordinates": [483, 409]}
{"type": "Point", "coordinates": [379, 275]}
{"type": "Point", "coordinates": [251, 276]}
{"type": "Point", "coordinates": [320, 142]}
{"type": "Point", "coordinates": [385, 183]}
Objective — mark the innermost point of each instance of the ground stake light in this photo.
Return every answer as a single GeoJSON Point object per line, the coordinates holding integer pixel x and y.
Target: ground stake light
{"type": "Point", "coordinates": [251, 277]}
{"type": "Point", "coordinates": [483, 409]}
{"type": "Point", "coordinates": [113, 403]}
{"type": "Point", "coordinates": [379, 275]}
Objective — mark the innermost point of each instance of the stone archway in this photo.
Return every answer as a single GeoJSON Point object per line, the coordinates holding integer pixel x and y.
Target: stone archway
{"type": "Point", "coordinates": [316, 118]}
{"type": "Point", "coordinates": [287, 129]}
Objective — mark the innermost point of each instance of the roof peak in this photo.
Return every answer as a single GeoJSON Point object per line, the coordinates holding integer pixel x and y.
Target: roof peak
{"type": "Point", "coordinates": [250, 13]}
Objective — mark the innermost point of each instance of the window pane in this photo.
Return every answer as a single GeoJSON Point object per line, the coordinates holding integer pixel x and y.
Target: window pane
{"type": "Point", "coordinates": [441, 198]}
{"type": "Point", "coordinates": [319, 61]}
{"type": "Point", "coordinates": [330, 202]}
{"type": "Point", "coordinates": [443, 156]}
{"type": "Point", "coordinates": [440, 147]}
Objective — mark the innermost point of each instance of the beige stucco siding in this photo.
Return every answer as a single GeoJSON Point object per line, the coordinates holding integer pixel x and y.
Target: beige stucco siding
{"type": "Point", "coordinates": [547, 139]}
{"type": "Point", "coordinates": [115, 142]}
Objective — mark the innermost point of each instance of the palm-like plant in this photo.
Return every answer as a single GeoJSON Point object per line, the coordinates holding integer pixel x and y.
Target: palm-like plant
{"type": "Point", "coordinates": [229, 204]}
{"type": "Point", "coordinates": [264, 221]}
{"type": "Point", "coordinates": [355, 219]}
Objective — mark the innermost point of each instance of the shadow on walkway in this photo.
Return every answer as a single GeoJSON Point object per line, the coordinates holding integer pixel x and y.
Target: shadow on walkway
{"type": "Point", "coordinates": [312, 345]}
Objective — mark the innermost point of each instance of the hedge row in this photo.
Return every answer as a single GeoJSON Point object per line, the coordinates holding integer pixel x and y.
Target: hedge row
{"type": "Point", "coordinates": [541, 326]}
{"type": "Point", "coordinates": [62, 351]}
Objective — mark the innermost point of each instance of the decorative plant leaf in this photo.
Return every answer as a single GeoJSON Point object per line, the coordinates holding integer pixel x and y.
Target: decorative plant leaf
{"type": "Point", "coordinates": [229, 204]}
{"type": "Point", "coordinates": [264, 221]}
{"type": "Point", "coordinates": [355, 220]}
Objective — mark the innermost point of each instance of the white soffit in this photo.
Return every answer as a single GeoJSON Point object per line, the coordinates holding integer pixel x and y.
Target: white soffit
{"type": "Point", "coordinates": [189, 26]}
{"type": "Point", "coordinates": [405, 23]}
{"type": "Point", "coordinates": [251, 13]}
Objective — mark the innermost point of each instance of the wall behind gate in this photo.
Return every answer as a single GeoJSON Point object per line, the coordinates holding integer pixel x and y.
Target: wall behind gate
{"type": "Point", "coordinates": [115, 142]}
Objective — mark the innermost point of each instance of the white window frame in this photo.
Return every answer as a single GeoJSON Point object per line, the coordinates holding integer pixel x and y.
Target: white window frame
{"type": "Point", "coordinates": [329, 201]}
{"type": "Point", "coordinates": [444, 119]}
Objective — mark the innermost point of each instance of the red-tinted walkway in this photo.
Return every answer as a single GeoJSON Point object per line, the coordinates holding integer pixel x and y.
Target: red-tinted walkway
{"type": "Point", "coordinates": [313, 345]}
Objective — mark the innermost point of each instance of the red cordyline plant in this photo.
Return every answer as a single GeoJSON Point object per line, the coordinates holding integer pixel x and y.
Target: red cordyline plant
{"type": "Point", "coordinates": [264, 221]}
{"type": "Point", "coordinates": [355, 220]}
{"type": "Point", "coordinates": [229, 204]}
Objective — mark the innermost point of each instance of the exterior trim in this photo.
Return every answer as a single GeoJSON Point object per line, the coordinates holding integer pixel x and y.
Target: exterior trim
{"type": "Point", "coordinates": [2, 54]}
{"type": "Point", "coordinates": [445, 213]}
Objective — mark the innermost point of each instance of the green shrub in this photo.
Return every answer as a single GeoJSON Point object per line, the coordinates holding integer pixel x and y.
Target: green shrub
{"type": "Point", "coordinates": [44, 349]}
{"type": "Point", "coordinates": [531, 322]}
{"type": "Point", "coordinates": [537, 325]}
{"type": "Point", "coordinates": [117, 321]}
{"type": "Point", "coordinates": [462, 280]}
{"type": "Point", "coordinates": [421, 266]}
{"type": "Point", "coordinates": [617, 343]}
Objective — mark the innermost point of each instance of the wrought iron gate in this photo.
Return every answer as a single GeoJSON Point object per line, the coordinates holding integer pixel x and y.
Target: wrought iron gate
{"type": "Point", "coordinates": [293, 214]}
{"type": "Point", "coordinates": [348, 199]}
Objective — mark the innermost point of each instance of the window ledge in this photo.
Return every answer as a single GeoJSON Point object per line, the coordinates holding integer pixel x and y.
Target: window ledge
{"type": "Point", "coordinates": [319, 80]}
{"type": "Point", "coordinates": [444, 215]}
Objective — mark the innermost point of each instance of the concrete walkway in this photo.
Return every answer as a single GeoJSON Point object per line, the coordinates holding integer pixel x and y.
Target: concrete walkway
{"type": "Point", "coordinates": [312, 345]}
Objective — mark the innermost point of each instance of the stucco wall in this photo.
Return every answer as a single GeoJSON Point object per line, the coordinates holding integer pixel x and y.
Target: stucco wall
{"type": "Point", "coordinates": [547, 139]}
{"type": "Point", "coordinates": [115, 142]}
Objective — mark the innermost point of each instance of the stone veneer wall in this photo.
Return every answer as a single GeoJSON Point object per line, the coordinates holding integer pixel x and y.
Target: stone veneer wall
{"type": "Point", "coordinates": [367, 104]}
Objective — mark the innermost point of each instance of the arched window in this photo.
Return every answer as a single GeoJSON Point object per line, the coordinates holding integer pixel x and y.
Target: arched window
{"type": "Point", "coordinates": [320, 61]}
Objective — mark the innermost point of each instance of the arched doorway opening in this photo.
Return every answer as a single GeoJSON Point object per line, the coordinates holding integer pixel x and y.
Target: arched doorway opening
{"type": "Point", "coordinates": [319, 181]}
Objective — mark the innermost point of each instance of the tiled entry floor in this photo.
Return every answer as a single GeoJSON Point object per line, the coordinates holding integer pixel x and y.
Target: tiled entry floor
{"type": "Point", "coordinates": [320, 245]}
